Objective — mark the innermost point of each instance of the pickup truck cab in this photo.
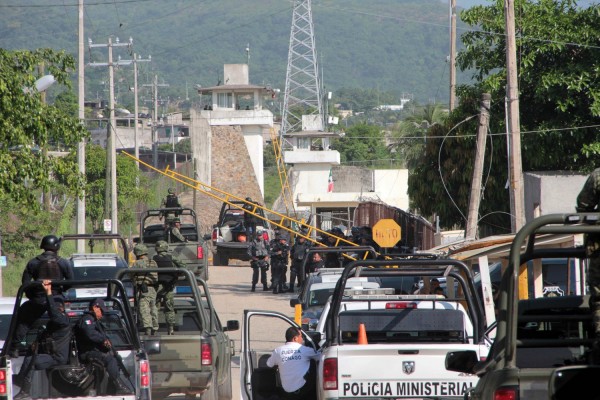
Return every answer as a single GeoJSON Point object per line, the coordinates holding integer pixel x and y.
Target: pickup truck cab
{"type": "Point", "coordinates": [408, 334]}
{"type": "Point", "coordinates": [229, 237]}
{"type": "Point", "coordinates": [537, 337]}
{"type": "Point", "coordinates": [78, 380]}
{"type": "Point", "coordinates": [196, 360]}
{"type": "Point", "coordinates": [193, 252]}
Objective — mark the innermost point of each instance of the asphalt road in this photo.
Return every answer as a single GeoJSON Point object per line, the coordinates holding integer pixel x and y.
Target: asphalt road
{"type": "Point", "coordinates": [230, 290]}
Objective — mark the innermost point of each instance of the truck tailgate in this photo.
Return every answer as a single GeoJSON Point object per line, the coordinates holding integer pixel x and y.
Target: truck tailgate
{"type": "Point", "coordinates": [415, 370]}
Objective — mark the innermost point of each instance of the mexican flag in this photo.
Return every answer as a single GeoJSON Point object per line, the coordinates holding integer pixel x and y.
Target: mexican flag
{"type": "Point", "coordinates": [330, 183]}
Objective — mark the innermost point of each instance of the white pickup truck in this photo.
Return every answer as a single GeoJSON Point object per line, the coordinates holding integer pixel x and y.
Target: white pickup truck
{"type": "Point", "coordinates": [407, 336]}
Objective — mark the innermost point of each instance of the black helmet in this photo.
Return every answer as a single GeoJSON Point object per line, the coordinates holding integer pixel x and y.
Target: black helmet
{"type": "Point", "coordinates": [50, 242]}
{"type": "Point", "coordinates": [248, 199]}
{"type": "Point", "coordinates": [171, 191]}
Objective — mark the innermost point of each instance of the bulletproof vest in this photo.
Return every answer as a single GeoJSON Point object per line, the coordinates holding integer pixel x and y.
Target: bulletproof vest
{"type": "Point", "coordinates": [172, 201]}
{"type": "Point", "coordinates": [300, 250]}
{"type": "Point", "coordinates": [164, 260]}
{"type": "Point", "coordinates": [48, 269]}
{"type": "Point", "coordinates": [259, 249]}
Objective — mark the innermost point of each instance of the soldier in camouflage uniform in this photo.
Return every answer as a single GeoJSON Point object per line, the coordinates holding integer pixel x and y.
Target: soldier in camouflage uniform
{"type": "Point", "coordinates": [588, 201]}
{"type": "Point", "coordinates": [164, 259]}
{"type": "Point", "coordinates": [146, 290]}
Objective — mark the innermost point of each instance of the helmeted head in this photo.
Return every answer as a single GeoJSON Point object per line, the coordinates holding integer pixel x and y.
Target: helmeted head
{"type": "Point", "coordinates": [171, 190]}
{"type": "Point", "coordinates": [50, 242]}
{"type": "Point", "coordinates": [176, 220]}
{"type": "Point", "coordinates": [140, 250]}
{"type": "Point", "coordinates": [162, 246]}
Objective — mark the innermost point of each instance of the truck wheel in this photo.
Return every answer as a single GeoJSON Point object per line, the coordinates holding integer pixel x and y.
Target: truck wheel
{"type": "Point", "coordinates": [217, 259]}
{"type": "Point", "coordinates": [225, 388]}
{"type": "Point", "coordinates": [220, 259]}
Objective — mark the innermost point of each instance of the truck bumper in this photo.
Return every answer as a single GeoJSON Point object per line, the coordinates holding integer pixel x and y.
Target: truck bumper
{"type": "Point", "coordinates": [165, 383]}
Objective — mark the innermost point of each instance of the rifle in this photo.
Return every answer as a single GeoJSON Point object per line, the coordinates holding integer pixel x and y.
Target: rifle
{"type": "Point", "coordinates": [120, 364]}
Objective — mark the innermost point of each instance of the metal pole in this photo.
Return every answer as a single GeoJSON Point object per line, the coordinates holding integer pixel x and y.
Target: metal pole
{"type": "Point", "coordinates": [173, 140]}
{"type": "Point", "coordinates": [452, 54]}
{"type": "Point", "coordinates": [154, 124]}
{"type": "Point", "coordinates": [113, 148]}
{"type": "Point", "coordinates": [135, 110]}
{"type": "Point", "coordinates": [81, 145]}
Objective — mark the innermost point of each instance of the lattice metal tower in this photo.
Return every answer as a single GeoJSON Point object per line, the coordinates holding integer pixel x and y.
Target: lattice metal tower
{"type": "Point", "coordinates": [302, 86]}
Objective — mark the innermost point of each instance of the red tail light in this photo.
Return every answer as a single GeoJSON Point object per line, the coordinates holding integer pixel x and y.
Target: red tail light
{"type": "Point", "coordinates": [214, 234]}
{"type": "Point", "coordinates": [200, 252]}
{"type": "Point", "coordinates": [400, 305]}
{"type": "Point", "coordinates": [3, 382]}
{"type": "Point", "coordinates": [266, 236]}
{"type": "Point", "coordinates": [507, 393]}
{"type": "Point", "coordinates": [144, 374]}
{"type": "Point", "coordinates": [206, 354]}
{"type": "Point", "coordinates": [330, 373]}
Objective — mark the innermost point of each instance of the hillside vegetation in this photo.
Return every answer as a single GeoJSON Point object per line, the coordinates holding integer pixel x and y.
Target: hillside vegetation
{"type": "Point", "coordinates": [390, 45]}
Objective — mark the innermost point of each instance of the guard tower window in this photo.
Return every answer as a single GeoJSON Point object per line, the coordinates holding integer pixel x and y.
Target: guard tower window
{"type": "Point", "coordinates": [225, 100]}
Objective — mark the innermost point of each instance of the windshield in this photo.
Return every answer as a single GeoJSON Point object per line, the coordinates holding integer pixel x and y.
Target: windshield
{"type": "Point", "coordinates": [319, 297]}
{"type": "Point", "coordinates": [93, 273]}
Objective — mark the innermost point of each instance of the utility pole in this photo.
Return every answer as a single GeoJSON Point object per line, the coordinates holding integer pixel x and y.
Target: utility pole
{"type": "Point", "coordinates": [517, 201]}
{"type": "Point", "coordinates": [475, 199]}
{"type": "Point", "coordinates": [452, 54]}
{"type": "Point", "coordinates": [81, 145]}
{"type": "Point", "coordinates": [111, 165]}
{"type": "Point", "coordinates": [155, 86]}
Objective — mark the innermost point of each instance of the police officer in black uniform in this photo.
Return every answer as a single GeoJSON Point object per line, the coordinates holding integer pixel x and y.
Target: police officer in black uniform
{"type": "Point", "coordinates": [259, 261]}
{"type": "Point", "coordinates": [47, 265]}
{"type": "Point", "coordinates": [51, 347]}
{"type": "Point", "coordinates": [279, 251]}
{"type": "Point", "coordinates": [93, 344]}
{"type": "Point", "coordinates": [297, 253]}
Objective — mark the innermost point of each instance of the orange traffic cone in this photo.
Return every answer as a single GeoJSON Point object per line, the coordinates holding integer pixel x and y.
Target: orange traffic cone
{"type": "Point", "coordinates": [362, 334]}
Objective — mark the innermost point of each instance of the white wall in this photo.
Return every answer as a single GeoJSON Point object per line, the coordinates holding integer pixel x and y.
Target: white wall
{"type": "Point", "coordinates": [391, 185]}
{"type": "Point", "coordinates": [553, 191]}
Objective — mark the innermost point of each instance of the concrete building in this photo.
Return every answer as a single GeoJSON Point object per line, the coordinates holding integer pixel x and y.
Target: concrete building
{"type": "Point", "coordinates": [551, 192]}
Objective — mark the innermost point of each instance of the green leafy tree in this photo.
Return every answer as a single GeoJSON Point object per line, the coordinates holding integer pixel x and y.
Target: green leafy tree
{"type": "Point", "coordinates": [27, 124]}
{"type": "Point", "coordinates": [127, 190]}
{"type": "Point", "coordinates": [559, 101]}
{"type": "Point", "coordinates": [362, 143]}
{"type": "Point", "coordinates": [67, 102]}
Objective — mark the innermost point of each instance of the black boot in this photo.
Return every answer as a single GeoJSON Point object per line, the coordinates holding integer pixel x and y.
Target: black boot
{"type": "Point", "coordinates": [24, 393]}
{"type": "Point", "coordinates": [291, 289]}
{"type": "Point", "coordinates": [253, 287]}
{"type": "Point", "coordinates": [121, 387]}
{"type": "Point", "coordinates": [265, 288]}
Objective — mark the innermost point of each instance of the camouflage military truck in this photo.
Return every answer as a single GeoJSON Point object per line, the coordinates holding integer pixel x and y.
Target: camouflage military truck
{"type": "Point", "coordinates": [154, 226]}
{"type": "Point", "coordinates": [196, 359]}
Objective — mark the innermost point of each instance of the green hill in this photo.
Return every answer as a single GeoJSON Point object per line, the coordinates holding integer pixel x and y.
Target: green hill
{"type": "Point", "coordinates": [390, 45]}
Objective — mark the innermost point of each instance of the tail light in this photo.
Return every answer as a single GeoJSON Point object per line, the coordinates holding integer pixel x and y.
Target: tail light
{"type": "Point", "coordinates": [507, 393]}
{"type": "Point", "coordinates": [330, 373]}
{"type": "Point", "coordinates": [3, 382]}
{"type": "Point", "coordinates": [144, 374]}
{"type": "Point", "coordinates": [200, 252]}
{"type": "Point", "coordinates": [266, 236]}
{"type": "Point", "coordinates": [206, 354]}
{"type": "Point", "coordinates": [400, 305]}
{"type": "Point", "coordinates": [214, 235]}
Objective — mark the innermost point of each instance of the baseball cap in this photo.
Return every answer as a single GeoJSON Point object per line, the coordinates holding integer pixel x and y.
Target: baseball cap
{"type": "Point", "coordinates": [100, 303]}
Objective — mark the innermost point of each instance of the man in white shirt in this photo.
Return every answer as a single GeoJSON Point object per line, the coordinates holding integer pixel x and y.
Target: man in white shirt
{"type": "Point", "coordinates": [293, 361]}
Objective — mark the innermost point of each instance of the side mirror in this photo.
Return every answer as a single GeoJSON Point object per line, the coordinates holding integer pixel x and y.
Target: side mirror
{"type": "Point", "coordinates": [462, 361]}
{"type": "Point", "coordinates": [232, 325]}
{"type": "Point", "coordinates": [573, 382]}
{"type": "Point", "coordinates": [314, 335]}
{"type": "Point", "coordinates": [207, 236]}
{"type": "Point", "coordinates": [152, 346]}
{"type": "Point", "coordinates": [294, 301]}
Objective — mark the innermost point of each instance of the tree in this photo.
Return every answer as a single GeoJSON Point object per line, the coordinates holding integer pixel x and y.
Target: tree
{"type": "Point", "coordinates": [559, 101]}
{"type": "Point", "coordinates": [127, 190]}
{"type": "Point", "coordinates": [362, 143]}
{"type": "Point", "coordinates": [27, 124]}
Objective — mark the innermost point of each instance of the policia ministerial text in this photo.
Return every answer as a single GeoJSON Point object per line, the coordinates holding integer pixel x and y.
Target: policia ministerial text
{"type": "Point", "coordinates": [405, 388]}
